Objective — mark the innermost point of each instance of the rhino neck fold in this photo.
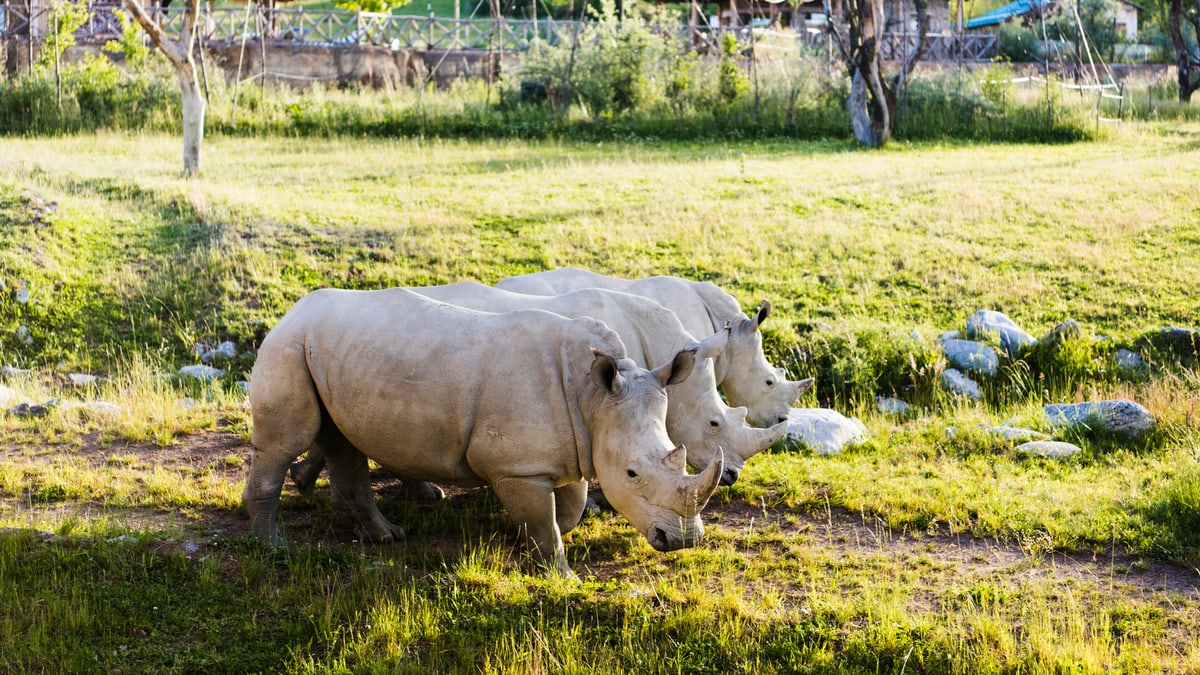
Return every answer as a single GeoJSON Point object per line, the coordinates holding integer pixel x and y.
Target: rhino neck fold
{"type": "Point", "coordinates": [573, 393]}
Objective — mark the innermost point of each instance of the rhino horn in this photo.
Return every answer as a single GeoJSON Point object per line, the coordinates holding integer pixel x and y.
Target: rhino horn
{"type": "Point", "coordinates": [803, 386]}
{"type": "Point", "coordinates": [765, 438]}
{"type": "Point", "coordinates": [694, 491]}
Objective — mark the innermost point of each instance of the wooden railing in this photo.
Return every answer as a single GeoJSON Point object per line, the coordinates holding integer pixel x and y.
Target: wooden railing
{"type": "Point", "coordinates": [430, 32]}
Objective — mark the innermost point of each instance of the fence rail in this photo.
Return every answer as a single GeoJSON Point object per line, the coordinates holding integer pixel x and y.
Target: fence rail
{"type": "Point", "coordinates": [429, 32]}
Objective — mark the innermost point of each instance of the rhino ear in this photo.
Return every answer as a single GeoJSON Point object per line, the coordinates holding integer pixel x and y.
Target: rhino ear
{"type": "Point", "coordinates": [678, 369]}
{"type": "Point", "coordinates": [712, 346]}
{"type": "Point", "coordinates": [605, 373]}
{"type": "Point", "coordinates": [764, 310]}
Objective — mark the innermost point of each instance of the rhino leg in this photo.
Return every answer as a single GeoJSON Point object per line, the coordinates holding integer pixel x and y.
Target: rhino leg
{"type": "Point", "coordinates": [569, 501]}
{"type": "Point", "coordinates": [529, 501]}
{"type": "Point", "coordinates": [350, 487]}
{"type": "Point", "coordinates": [422, 491]}
{"type": "Point", "coordinates": [304, 472]}
{"type": "Point", "coordinates": [287, 420]}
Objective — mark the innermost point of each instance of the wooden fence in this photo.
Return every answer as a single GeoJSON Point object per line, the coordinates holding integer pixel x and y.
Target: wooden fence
{"type": "Point", "coordinates": [430, 32]}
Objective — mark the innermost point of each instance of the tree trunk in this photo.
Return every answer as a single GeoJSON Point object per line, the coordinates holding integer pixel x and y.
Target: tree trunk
{"type": "Point", "coordinates": [180, 55]}
{"type": "Point", "coordinates": [872, 100]}
{"type": "Point", "coordinates": [1187, 63]}
{"type": "Point", "coordinates": [193, 120]}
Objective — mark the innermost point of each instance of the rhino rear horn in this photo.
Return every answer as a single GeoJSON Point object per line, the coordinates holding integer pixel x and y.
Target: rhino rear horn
{"type": "Point", "coordinates": [678, 369]}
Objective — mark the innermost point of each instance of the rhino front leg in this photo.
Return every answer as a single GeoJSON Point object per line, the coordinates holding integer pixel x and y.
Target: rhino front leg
{"type": "Point", "coordinates": [304, 472]}
{"type": "Point", "coordinates": [529, 501]}
{"type": "Point", "coordinates": [350, 485]}
{"type": "Point", "coordinates": [569, 501]}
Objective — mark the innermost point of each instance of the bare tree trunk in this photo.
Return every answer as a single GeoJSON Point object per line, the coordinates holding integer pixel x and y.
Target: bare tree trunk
{"type": "Point", "coordinates": [181, 58]}
{"type": "Point", "coordinates": [1187, 62]}
{"type": "Point", "coordinates": [872, 100]}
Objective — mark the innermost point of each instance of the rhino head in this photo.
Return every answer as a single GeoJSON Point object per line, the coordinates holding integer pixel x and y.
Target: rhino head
{"type": "Point", "coordinates": [749, 380]}
{"type": "Point", "coordinates": [700, 420]}
{"type": "Point", "coordinates": [644, 477]}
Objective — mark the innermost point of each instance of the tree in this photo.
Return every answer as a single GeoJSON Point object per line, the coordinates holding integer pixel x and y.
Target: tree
{"type": "Point", "coordinates": [873, 96]}
{"type": "Point", "coordinates": [179, 53]}
{"type": "Point", "coordinates": [1187, 51]}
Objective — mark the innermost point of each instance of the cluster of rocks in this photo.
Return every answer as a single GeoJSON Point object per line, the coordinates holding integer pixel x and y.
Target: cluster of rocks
{"type": "Point", "coordinates": [17, 405]}
{"type": "Point", "coordinates": [973, 354]}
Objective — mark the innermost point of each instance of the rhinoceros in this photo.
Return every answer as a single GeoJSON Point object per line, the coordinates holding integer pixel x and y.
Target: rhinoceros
{"type": "Point", "coordinates": [531, 403]}
{"type": "Point", "coordinates": [742, 370]}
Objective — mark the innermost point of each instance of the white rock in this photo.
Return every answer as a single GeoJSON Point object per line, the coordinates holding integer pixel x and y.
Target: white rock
{"type": "Point", "coordinates": [1052, 449]}
{"type": "Point", "coordinates": [986, 321]}
{"type": "Point", "coordinates": [826, 431]}
{"type": "Point", "coordinates": [973, 356]}
{"type": "Point", "coordinates": [81, 379]}
{"type": "Point", "coordinates": [1119, 417]}
{"type": "Point", "coordinates": [9, 398]}
{"type": "Point", "coordinates": [24, 335]}
{"type": "Point", "coordinates": [226, 349]}
{"type": "Point", "coordinates": [1016, 434]}
{"type": "Point", "coordinates": [961, 385]}
{"type": "Point", "coordinates": [9, 371]}
{"type": "Point", "coordinates": [1128, 360]}
{"type": "Point", "coordinates": [93, 408]}
{"type": "Point", "coordinates": [201, 372]}
{"type": "Point", "coordinates": [892, 406]}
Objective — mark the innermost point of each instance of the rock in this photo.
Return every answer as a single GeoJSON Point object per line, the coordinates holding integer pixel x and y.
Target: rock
{"type": "Point", "coordinates": [961, 385]}
{"type": "Point", "coordinates": [21, 295]}
{"type": "Point", "coordinates": [1015, 434]}
{"type": "Point", "coordinates": [24, 335]}
{"type": "Point", "coordinates": [93, 408]}
{"type": "Point", "coordinates": [8, 397]}
{"type": "Point", "coordinates": [226, 350]}
{"type": "Point", "coordinates": [201, 372]}
{"type": "Point", "coordinates": [826, 431]}
{"type": "Point", "coordinates": [986, 322]}
{"type": "Point", "coordinates": [9, 371]}
{"type": "Point", "coordinates": [34, 409]}
{"type": "Point", "coordinates": [950, 335]}
{"type": "Point", "coordinates": [1122, 418]}
{"type": "Point", "coordinates": [1183, 342]}
{"type": "Point", "coordinates": [1128, 360]}
{"type": "Point", "coordinates": [243, 385]}
{"type": "Point", "coordinates": [1051, 449]}
{"type": "Point", "coordinates": [1067, 330]}
{"type": "Point", "coordinates": [892, 406]}
{"type": "Point", "coordinates": [81, 380]}
{"type": "Point", "coordinates": [973, 356]}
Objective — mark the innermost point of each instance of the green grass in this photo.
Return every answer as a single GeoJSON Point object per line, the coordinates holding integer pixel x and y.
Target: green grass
{"type": "Point", "coordinates": [922, 551]}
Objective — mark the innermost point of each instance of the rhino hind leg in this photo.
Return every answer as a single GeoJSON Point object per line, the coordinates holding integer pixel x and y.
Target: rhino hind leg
{"type": "Point", "coordinates": [530, 503]}
{"type": "Point", "coordinates": [350, 488]}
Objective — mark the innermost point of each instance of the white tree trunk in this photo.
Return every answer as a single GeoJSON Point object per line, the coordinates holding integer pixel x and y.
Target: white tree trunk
{"type": "Point", "coordinates": [193, 119]}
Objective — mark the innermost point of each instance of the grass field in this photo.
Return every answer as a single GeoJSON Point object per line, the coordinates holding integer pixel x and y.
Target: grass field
{"type": "Point", "coordinates": [920, 551]}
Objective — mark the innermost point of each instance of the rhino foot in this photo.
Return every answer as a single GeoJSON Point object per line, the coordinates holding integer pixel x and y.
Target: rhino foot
{"type": "Point", "coordinates": [304, 474]}
{"type": "Point", "coordinates": [380, 533]}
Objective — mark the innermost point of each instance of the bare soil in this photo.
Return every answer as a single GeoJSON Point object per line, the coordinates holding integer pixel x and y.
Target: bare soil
{"type": "Point", "coordinates": [837, 534]}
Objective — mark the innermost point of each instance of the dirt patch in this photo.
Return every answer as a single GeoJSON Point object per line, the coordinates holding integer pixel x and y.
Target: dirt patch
{"type": "Point", "coordinates": [835, 533]}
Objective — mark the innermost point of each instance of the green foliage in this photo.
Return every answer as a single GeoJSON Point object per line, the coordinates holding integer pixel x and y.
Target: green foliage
{"type": "Point", "coordinates": [132, 45]}
{"type": "Point", "coordinates": [1175, 513]}
{"type": "Point", "coordinates": [374, 6]}
{"type": "Point", "coordinates": [65, 19]}
{"type": "Point", "coordinates": [731, 83]}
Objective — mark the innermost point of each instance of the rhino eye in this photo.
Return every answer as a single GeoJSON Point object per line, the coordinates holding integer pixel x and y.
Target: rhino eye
{"type": "Point", "coordinates": [714, 423]}
{"type": "Point", "coordinates": [631, 473]}
{"type": "Point", "coordinates": [770, 383]}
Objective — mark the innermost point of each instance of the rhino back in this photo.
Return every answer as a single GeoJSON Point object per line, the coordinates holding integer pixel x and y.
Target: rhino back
{"type": "Point", "coordinates": [442, 393]}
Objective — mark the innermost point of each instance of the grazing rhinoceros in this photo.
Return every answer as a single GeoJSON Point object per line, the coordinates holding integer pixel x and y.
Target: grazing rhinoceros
{"type": "Point", "coordinates": [696, 416]}
{"type": "Point", "coordinates": [742, 370]}
{"type": "Point", "coordinates": [531, 403]}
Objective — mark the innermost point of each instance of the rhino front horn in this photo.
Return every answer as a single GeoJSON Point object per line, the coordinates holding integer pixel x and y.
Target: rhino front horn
{"type": "Point", "coordinates": [695, 490]}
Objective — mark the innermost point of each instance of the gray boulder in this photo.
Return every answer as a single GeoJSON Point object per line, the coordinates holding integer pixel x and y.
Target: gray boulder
{"type": "Point", "coordinates": [972, 356]}
{"type": "Point", "coordinates": [1017, 435]}
{"type": "Point", "coordinates": [1051, 449]}
{"type": "Point", "coordinates": [892, 406]}
{"type": "Point", "coordinates": [1121, 418]}
{"type": "Point", "coordinates": [1067, 330]}
{"type": "Point", "coordinates": [826, 431]}
{"type": "Point", "coordinates": [960, 385]}
{"type": "Point", "coordinates": [1127, 360]}
{"type": "Point", "coordinates": [987, 322]}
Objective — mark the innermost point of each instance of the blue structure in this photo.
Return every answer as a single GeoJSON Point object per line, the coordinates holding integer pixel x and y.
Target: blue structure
{"type": "Point", "coordinates": [1002, 14]}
